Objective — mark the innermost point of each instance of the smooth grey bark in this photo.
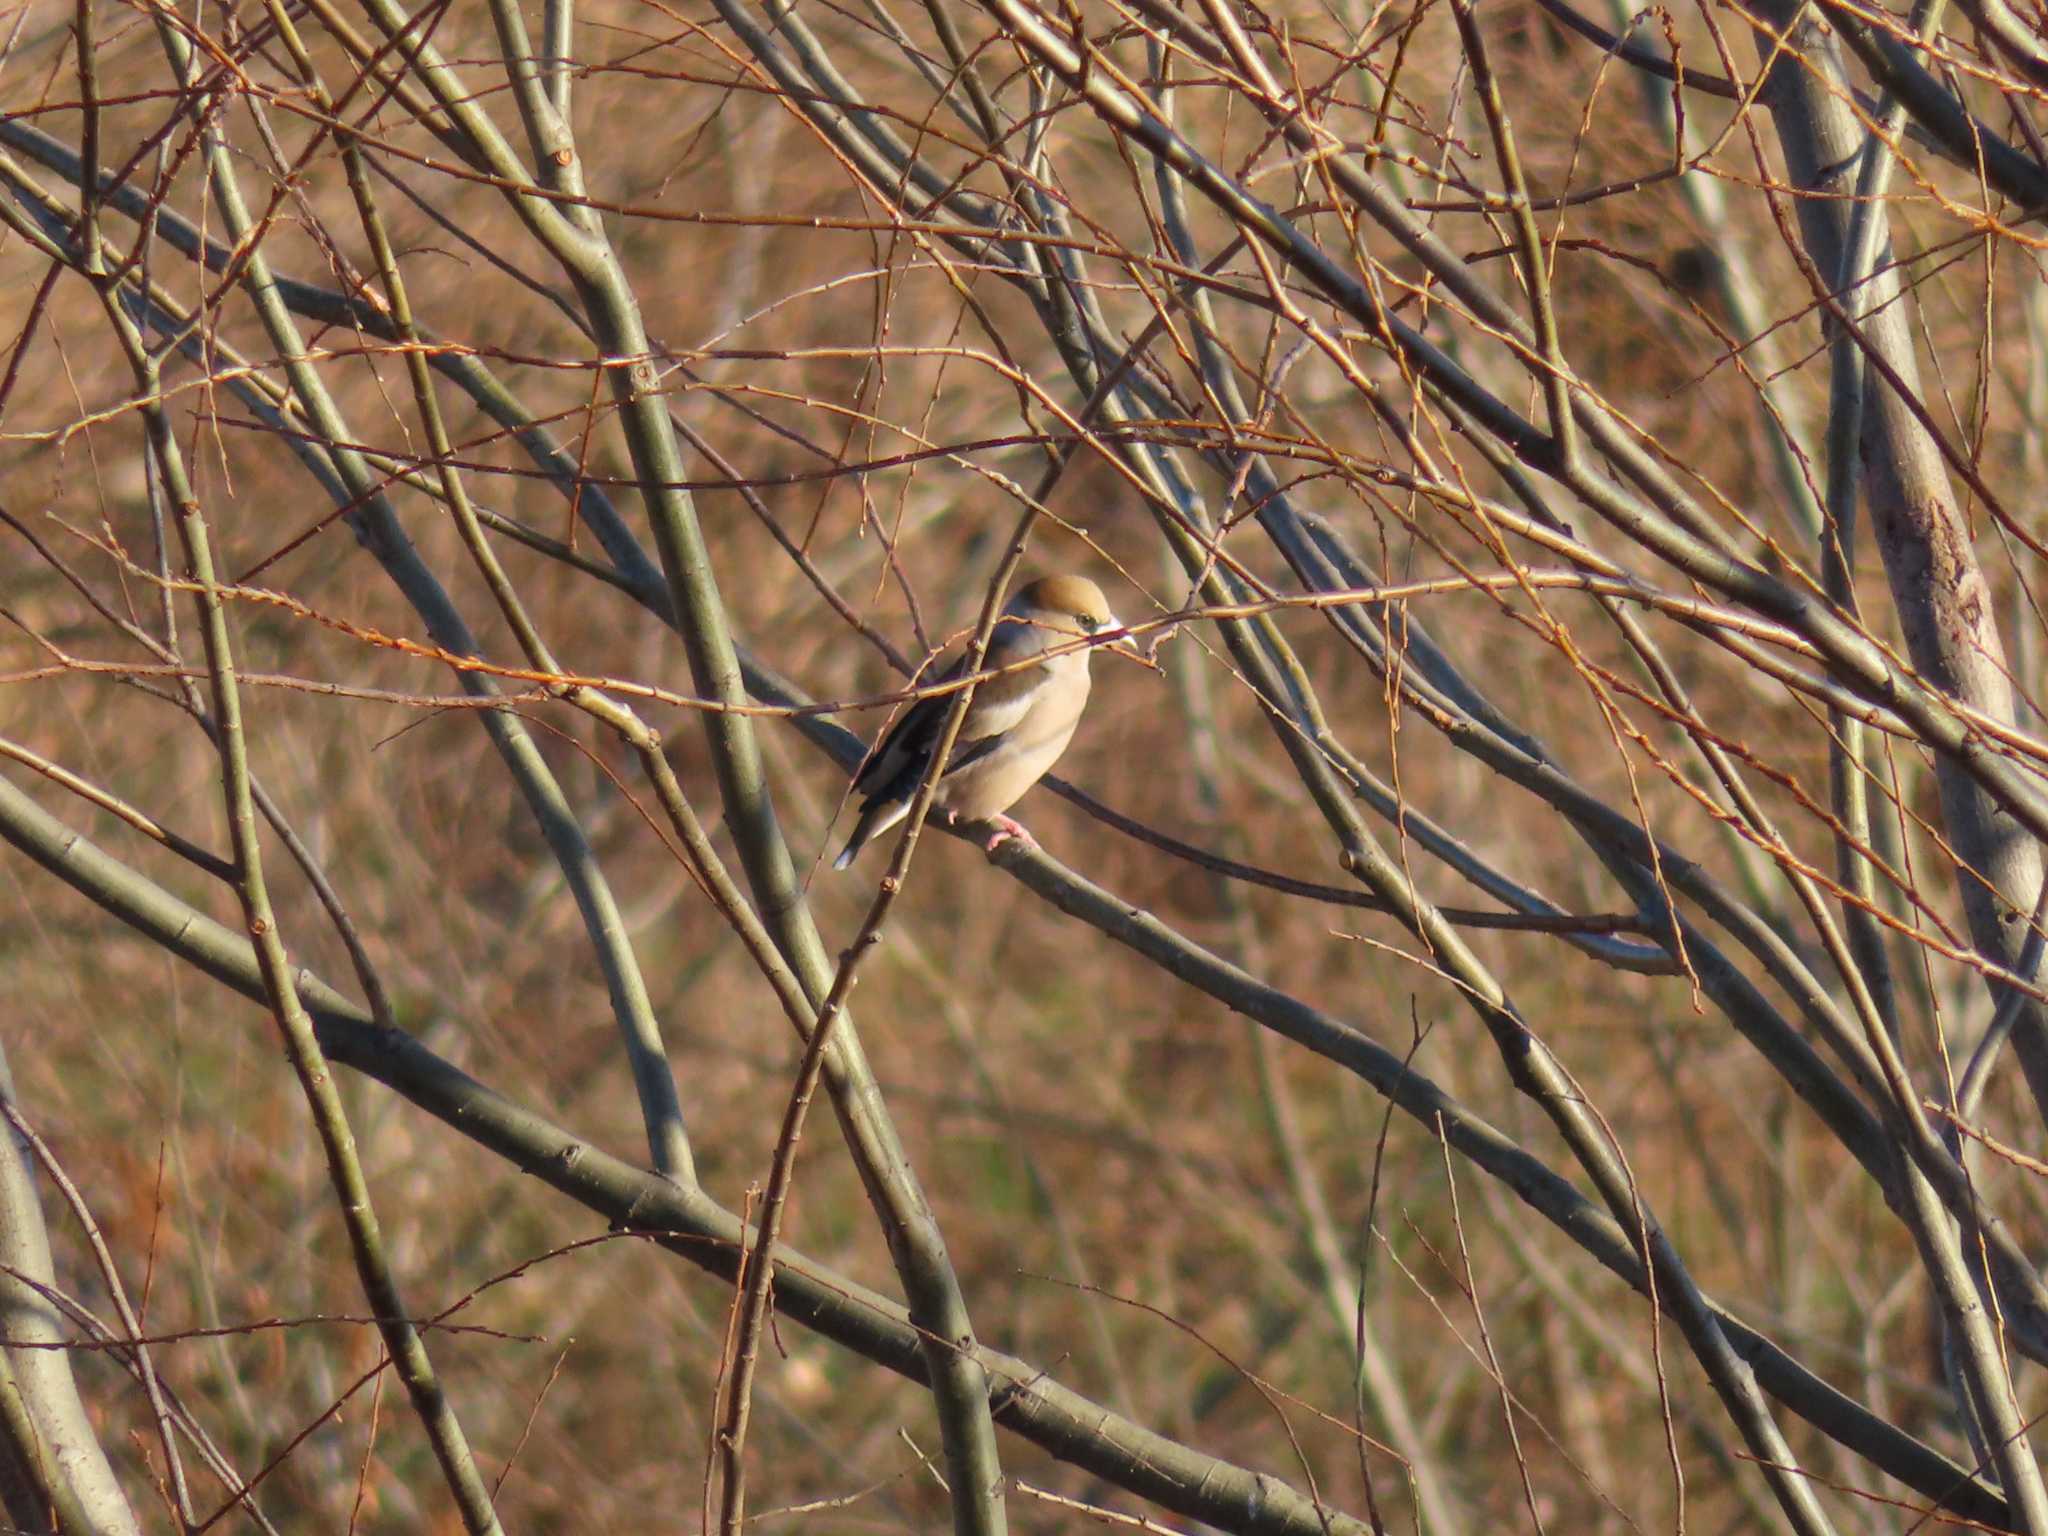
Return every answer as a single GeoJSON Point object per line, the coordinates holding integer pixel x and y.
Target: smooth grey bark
{"type": "Point", "coordinates": [1060, 1421]}
{"type": "Point", "coordinates": [1944, 609]}
{"type": "Point", "coordinates": [1944, 605]}
{"type": "Point", "coordinates": [54, 1475]}
{"type": "Point", "coordinates": [574, 237]}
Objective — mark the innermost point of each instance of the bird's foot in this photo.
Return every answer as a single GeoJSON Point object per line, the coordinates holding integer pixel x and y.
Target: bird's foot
{"type": "Point", "coordinates": [1004, 830]}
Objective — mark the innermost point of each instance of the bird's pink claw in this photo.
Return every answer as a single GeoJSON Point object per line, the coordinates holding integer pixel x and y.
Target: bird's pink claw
{"type": "Point", "coordinates": [1006, 831]}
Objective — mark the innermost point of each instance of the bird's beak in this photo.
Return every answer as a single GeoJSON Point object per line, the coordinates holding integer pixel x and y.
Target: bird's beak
{"type": "Point", "coordinates": [1124, 642]}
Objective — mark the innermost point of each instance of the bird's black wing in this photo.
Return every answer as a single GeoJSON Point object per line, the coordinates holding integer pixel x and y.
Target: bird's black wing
{"type": "Point", "coordinates": [893, 769]}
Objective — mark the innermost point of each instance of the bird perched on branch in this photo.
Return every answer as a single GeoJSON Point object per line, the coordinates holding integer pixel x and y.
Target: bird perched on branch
{"type": "Point", "coordinates": [1017, 725]}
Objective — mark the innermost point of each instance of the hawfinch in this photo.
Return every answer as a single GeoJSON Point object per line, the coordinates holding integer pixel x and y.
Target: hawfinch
{"type": "Point", "coordinates": [1018, 724]}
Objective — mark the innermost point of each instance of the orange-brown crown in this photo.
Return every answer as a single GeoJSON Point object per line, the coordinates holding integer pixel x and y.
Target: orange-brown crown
{"type": "Point", "coordinates": [1064, 598]}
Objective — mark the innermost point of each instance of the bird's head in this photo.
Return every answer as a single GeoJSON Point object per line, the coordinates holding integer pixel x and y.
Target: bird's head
{"type": "Point", "coordinates": [1068, 605]}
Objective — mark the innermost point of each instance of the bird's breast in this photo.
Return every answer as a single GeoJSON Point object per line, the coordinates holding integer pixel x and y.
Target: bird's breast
{"type": "Point", "coordinates": [997, 781]}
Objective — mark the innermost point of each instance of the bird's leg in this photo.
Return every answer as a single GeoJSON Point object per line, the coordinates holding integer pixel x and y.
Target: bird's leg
{"type": "Point", "coordinates": [1006, 831]}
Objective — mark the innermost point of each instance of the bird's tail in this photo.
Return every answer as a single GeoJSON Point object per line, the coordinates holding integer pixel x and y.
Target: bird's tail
{"type": "Point", "coordinates": [876, 817]}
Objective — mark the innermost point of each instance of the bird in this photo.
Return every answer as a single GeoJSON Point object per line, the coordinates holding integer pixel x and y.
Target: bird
{"type": "Point", "coordinates": [1017, 725]}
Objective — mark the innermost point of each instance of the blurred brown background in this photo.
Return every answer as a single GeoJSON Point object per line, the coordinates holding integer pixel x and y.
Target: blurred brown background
{"type": "Point", "coordinates": [1145, 1195]}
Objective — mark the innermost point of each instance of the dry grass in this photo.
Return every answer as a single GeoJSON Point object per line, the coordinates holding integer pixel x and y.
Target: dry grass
{"type": "Point", "coordinates": [1099, 1141]}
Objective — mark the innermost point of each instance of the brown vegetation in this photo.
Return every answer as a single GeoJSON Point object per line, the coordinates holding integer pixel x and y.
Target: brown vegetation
{"type": "Point", "coordinates": [1446, 401]}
